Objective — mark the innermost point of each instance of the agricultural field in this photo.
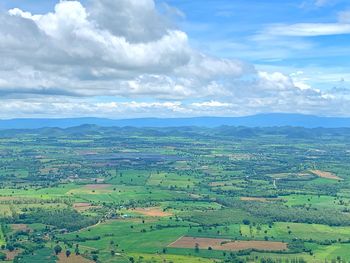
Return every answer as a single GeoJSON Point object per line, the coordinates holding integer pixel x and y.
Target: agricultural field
{"type": "Point", "coordinates": [93, 194]}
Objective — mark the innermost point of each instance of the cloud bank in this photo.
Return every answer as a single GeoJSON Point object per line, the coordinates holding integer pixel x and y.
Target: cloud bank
{"type": "Point", "coordinates": [63, 62]}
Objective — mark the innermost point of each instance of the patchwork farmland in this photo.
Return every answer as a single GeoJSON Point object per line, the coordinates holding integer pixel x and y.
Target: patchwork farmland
{"type": "Point", "coordinates": [93, 194]}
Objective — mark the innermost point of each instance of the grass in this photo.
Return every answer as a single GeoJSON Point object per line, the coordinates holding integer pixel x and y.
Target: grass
{"type": "Point", "coordinates": [183, 207]}
{"type": "Point", "coordinates": [313, 200]}
{"type": "Point", "coordinates": [229, 232]}
{"type": "Point", "coordinates": [124, 194]}
{"type": "Point", "coordinates": [320, 254]}
{"type": "Point", "coordinates": [222, 216]}
{"type": "Point", "coordinates": [280, 231]}
{"type": "Point", "coordinates": [129, 177]}
{"type": "Point", "coordinates": [133, 235]}
{"type": "Point", "coordinates": [42, 193]}
{"type": "Point", "coordinates": [44, 255]}
{"type": "Point", "coordinates": [212, 168]}
{"type": "Point", "coordinates": [171, 258]}
{"type": "Point", "coordinates": [171, 180]}
{"type": "Point", "coordinates": [330, 252]}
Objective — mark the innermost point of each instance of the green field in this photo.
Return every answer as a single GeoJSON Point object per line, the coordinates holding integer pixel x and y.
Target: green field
{"type": "Point", "coordinates": [125, 195]}
{"type": "Point", "coordinates": [289, 231]}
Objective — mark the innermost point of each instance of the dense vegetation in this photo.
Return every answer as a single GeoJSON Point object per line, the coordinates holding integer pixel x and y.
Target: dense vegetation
{"type": "Point", "coordinates": [66, 219]}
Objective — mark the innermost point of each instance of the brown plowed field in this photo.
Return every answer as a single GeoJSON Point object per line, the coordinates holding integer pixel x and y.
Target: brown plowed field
{"type": "Point", "coordinates": [97, 186]}
{"type": "Point", "coordinates": [259, 199]}
{"type": "Point", "coordinates": [152, 211]}
{"type": "Point", "coordinates": [72, 259]}
{"type": "Point", "coordinates": [324, 174]}
{"type": "Point", "coordinates": [81, 207]}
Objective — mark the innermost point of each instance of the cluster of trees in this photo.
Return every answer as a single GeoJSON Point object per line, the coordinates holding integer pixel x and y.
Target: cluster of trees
{"type": "Point", "coordinates": [278, 212]}
{"type": "Point", "coordinates": [67, 219]}
{"type": "Point", "coordinates": [282, 213]}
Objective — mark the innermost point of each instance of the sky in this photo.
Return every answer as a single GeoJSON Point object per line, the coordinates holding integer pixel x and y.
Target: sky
{"type": "Point", "coordinates": [174, 58]}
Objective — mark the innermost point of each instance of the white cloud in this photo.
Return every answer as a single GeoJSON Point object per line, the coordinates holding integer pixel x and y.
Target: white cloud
{"type": "Point", "coordinates": [288, 100]}
{"type": "Point", "coordinates": [73, 33]}
{"type": "Point", "coordinates": [211, 104]}
{"type": "Point", "coordinates": [308, 29]}
{"type": "Point", "coordinates": [108, 48]}
{"type": "Point", "coordinates": [341, 27]}
{"type": "Point", "coordinates": [127, 48]}
{"type": "Point", "coordinates": [136, 20]}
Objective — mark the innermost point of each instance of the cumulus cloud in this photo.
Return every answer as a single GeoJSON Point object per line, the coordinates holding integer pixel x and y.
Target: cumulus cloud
{"type": "Point", "coordinates": [289, 100]}
{"type": "Point", "coordinates": [72, 37]}
{"type": "Point", "coordinates": [125, 48]}
{"type": "Point", "coordinates": [136, 20]}
{"type": "Point", "coordinates": [61, 62]}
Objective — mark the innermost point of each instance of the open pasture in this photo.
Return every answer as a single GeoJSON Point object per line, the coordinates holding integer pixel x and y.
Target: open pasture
{"type": "Point", "coordinates": [171, 180]}
{"type": "Point", "coordinates": [129, 177]}
{"type": "Point", "coordinates": [225, 231]}
{"type": "Point", "coordinates": [185, 207]}
{"type": "Point", "coordinates": [132, 235]}
{"type": "Point", "coordinates": [289, 231]}
{"type": "Point", "coordinates": [171, 258]}
{"type": "Point", "coordinates": [330, 252]}
{"type": "Point", "coordinates": [227, 244]}
{"type": "Point", "coordinates": [316, 201]}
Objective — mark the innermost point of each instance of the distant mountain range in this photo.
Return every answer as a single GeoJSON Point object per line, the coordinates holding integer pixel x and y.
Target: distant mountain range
{"type": "Point", "coordinates": [261, 120]}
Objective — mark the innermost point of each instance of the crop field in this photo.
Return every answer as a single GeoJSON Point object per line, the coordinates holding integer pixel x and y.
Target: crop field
{"type": "Point", "coordinates": [171, 258]}
{"type": "Point", "coordinates": [188, 195]}
{"type": "Point", "coordinates": [62, 258]}
{"type": "Point", "coordinates": [289, 231]}
{"type": "Point", "coordinates": [151, 211]}
{"type": "Point", "coordinates": [327, 175]}
{"type": "Point", "coordinates": [227, 245]}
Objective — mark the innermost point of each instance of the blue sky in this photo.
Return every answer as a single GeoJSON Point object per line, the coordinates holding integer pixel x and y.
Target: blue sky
{"type": "Point", "coordinates": [227, 29]}
{"type": "Point", "coordinates": [139, 58]}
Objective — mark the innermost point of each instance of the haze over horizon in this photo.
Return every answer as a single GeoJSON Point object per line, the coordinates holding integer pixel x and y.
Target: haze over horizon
{"type": "Point", "coordinates": [173, 58]}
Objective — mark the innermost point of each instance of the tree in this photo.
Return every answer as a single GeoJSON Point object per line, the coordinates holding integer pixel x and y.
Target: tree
{"type": "Point", "coordinates": [77, 252]}
{"type": "Point", "coordinates": [57, 249]}
{"type": "Point", "coordinates": [246, 222]}
{"type": "Point", "coordinates": [10, 247]}
{"type": "Point", "coordinates": [196, 248]}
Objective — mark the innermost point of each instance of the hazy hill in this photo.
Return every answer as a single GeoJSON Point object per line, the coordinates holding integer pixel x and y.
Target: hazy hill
{"type": "Point", "coordinates": [262, 120]}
